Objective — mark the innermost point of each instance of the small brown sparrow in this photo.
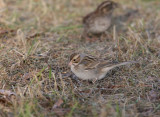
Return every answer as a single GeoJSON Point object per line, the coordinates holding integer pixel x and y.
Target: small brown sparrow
{"type": "Point", "coordinates": [89, 68]}
{"type": "Point", "coordinates": [99, 20]}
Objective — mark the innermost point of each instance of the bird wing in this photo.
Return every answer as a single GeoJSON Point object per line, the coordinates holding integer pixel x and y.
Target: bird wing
{"type": "Point", "coordinates": [90, 62]}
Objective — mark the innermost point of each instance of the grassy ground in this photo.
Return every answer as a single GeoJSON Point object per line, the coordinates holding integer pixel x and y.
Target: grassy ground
{"type": "Point", "coordinates": [36, 39]}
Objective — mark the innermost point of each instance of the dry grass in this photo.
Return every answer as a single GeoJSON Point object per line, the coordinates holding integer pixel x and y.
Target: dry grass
{"type": "Point", "coordinates": [36, 39]}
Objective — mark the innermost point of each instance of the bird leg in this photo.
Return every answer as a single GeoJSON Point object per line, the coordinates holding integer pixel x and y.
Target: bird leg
{"type": "Point", "coordinates": [94, 80]}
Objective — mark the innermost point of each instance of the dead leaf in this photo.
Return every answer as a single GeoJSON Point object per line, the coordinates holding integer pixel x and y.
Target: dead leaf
{"type": "Point", "coordinates": [7, 32]}
{"type": "Point", "coordinates": [58, 104]}
{"type": "Point", "coordinates": [7, 96]}
{"type": "Point", "coordinates": [35, 35]}
{"type": "Point", "coordinates": [6, 92]}
{"type": "Point", "coordinates": [60, 111]}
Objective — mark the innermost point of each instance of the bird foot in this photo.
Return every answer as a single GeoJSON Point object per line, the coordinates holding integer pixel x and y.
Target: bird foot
{"type": "Point", "coordinates": [93, 81]}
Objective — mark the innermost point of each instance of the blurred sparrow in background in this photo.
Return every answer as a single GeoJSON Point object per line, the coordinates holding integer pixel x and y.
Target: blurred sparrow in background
{"type": "Point", "coordinates": [89, 68]}
{"type": "Point", "coordinates": [99, 20]}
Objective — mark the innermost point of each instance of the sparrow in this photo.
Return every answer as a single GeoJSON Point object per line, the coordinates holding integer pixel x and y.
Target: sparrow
{"type": "Point", "coordinates": [99, 20]}
{"type": "Point", "coordinates": [87, 67]}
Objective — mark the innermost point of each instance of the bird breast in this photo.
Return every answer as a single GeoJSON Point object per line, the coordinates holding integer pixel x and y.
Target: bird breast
{"type": "Point", "coordinates": [100, 24]}
{"type": "Point", "coordinates": [83, 74]}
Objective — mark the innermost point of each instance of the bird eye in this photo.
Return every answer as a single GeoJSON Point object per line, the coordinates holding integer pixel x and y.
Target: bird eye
{"type": "Point", "coordinates": [74, 60]}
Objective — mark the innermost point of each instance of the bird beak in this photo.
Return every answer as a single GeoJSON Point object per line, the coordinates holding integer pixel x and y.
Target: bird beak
{"type": "Point", "coordinates": [70, 63]}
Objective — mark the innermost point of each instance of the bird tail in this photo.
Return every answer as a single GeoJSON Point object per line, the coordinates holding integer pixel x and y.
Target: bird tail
{"type": "Point", "coordinates": [106, 69]}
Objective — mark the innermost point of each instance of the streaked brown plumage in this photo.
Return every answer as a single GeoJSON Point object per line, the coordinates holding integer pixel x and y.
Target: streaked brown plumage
{"type": "Point", "coordinates": [99, 20]}
{"type": "Point", "coordinates": [89, 68]}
